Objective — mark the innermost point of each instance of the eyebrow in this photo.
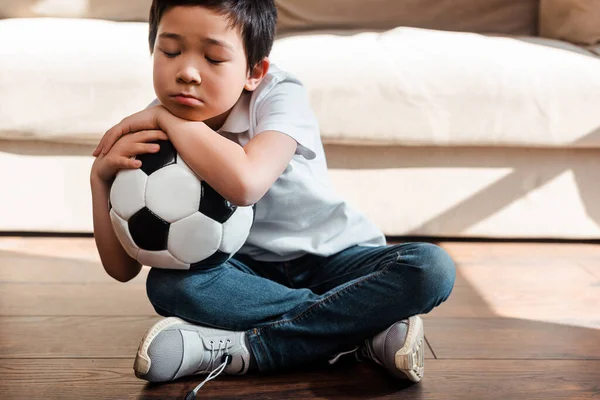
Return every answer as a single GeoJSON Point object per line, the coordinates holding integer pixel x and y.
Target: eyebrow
{"type": "Point", "coordinates": [169, 35]}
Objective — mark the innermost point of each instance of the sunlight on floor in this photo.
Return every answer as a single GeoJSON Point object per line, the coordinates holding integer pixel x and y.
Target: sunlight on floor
{"type": "Point", "coordinates": [518, 280]}
{"type": "Point", "coordinates": [83, 249]}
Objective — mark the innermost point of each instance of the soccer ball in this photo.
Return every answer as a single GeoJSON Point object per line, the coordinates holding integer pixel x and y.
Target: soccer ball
{"type": "Point", "coordinates": [165, 216]}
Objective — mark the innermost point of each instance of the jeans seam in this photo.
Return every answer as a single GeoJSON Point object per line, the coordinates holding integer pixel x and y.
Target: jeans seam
{"type": "Point", "coordinates": [341, 276]}
{"type": "Point", "coordinates": [397, 253]}
{"type": "Point", "coordinates": [332, 297]}
{"type": "Point", "coordinates": [259, 339]}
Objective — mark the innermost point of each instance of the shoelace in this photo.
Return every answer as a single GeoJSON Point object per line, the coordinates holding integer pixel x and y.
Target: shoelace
{"type": "Point", "coordinates": [337, 357]}
{"type": "Point", "coordinates": [360, 353]}
{"type": "Point", "coordinates": [366, 351]}
{"type": "Point", "coordinates": [214, 354]}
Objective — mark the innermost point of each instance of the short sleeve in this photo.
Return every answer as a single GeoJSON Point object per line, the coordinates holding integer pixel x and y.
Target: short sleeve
{"type": "Point", "coordinates": [155, 102]}
{"type": "Point", "coordinates": [286, 109]}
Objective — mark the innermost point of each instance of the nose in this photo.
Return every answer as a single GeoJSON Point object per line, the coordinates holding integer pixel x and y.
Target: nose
{"type": "Point", "coordinates": [189, 75]}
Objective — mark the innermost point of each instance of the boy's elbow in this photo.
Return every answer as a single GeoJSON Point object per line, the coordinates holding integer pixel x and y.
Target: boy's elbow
{"type": "Point", "coordinates": [122, 278]}
{"type": "Point", "coordinates": [243, 198]}
{"type": "Point", "coordinates": [125, 273]}
{"type": "Point", "coordinates": [246, 193]}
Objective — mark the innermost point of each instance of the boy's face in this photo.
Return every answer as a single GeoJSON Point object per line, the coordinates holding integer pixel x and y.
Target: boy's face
{"type": "Point", "coordinates": [197, 54]}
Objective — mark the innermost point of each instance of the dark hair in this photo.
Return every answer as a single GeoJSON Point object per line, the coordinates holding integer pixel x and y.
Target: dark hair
{"type": "Point", "coordinates": [256, 20]}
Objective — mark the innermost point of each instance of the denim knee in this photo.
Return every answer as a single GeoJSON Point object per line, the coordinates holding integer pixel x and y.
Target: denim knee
{"type": "Point", "coordinates": [158, 290]}
{"type": "Point", "coordinates": [435, 274]}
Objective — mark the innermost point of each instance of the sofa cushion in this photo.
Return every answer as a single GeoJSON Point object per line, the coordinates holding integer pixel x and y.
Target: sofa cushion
{"type": "Point", "coordinates": [405, 86]}
{"type": "Point", "coordinates": [498, 16]}
{"type": "Point", "coordinates": [411, 86]}
{"type": "Point", "coordinates": [118, 10]}
{"type": "Point", "coordinates": [577, 21]}
{"type": "Point", "coordinates": [60, 86]}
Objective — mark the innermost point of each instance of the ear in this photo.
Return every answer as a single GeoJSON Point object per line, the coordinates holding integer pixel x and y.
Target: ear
{"type": "Point", "coordinates": [257, 74]}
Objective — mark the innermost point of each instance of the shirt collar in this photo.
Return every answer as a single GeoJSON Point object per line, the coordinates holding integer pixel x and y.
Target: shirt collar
{"type": "Point", "coordinates": [238, 120]}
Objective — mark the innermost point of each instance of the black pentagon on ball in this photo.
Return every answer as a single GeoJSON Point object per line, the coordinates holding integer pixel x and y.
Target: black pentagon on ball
{"type": "Point", "coordinates": [148, 230]}
{"type": "Point", "coordinates": [217, 258]}
{"type": "Point", "coordinates": [152, 162]}
{"type": "Point", "coordinates": [215, 206]}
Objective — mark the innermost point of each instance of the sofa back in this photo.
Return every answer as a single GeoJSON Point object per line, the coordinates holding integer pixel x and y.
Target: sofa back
{"type": "Point", "coordinates": [482, 16]}
{"type": "Point", "coordinates": [486, 16]}
{"type": "Point", "coordinates": [116, 10]}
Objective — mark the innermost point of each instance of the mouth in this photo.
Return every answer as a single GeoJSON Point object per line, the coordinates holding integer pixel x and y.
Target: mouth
{"type": "Point", "coordinates": [186, 99]}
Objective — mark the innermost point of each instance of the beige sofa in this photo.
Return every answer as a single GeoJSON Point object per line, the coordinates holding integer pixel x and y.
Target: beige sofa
{"type": "Point", "coordinates": [440, 117]}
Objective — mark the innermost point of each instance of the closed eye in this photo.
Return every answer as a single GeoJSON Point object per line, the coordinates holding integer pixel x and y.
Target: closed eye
{"type": "Point", "coordinates": [171, 55]}
{"type": "Point", "coordinates": [216, 62]}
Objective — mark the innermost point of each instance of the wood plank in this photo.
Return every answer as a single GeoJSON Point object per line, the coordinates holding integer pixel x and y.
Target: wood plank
{"type": "Point", "coordinates": [466, 253]}
{"type": "Point", "coordinates": [467, 303]}
{"type": "Point", "coordinates": [522, 253]}
{"type": "Point", "coordinates": [565, 294]}
{"type": "Point", "coordinates": [444, 380]}
{"type": "Point", "coordinates": [593, 268]}
{"type": "Point", "coordinates": [116, 299]}
{"type": "Point", "coordinates": [84, 299]}
{"type": "Point", "coordinates": [18, 267]}
{"type": "Point", "coordinates": [77, 248]}
{"type": "Point", "coordinates": [509, 338]}
{"type": "Point", "coordinates": [76, 337]}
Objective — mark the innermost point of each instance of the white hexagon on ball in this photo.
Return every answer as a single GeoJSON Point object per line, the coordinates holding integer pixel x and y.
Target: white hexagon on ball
{"type": "Point", "coordinates": [236, 230]}
{"type": "Point", "coordinates": [180, 162]}
{"type": "Point", "coordinates": [122, 231]}
{"type": "Point", "coordinates": [172, 193]}
{"type": "Point", "coordinates": [129, 185]}
{"type": "Point", "coordinates": [194, 238]}
{"type": "Point", "coordinates": [161, 259]}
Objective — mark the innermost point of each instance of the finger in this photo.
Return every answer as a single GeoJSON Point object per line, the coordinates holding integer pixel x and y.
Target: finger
{"type": "Point", "coordinates": [142, 148]}
{"type": "Point", "coordinates": [152, 135]}
{"type": "Point", "coordinates": [110, 137]}
{"type": "Point", "coordinates": [140, 121]}
{"type": "Point", "coordinates": [129, 163]}
{"type": "Point", "coordinates": [137, 143]}
{"type": "Point", "coordinates": [96, 151]}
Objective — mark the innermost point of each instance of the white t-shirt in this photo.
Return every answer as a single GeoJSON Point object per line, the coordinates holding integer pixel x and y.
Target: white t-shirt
{"type": "Point", "coordinates": [300, 213]}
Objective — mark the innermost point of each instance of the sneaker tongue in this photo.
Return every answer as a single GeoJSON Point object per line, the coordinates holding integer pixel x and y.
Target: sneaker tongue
{"type": "Point", "coordinates": [239, 359]}
{"type": "Point", "coordinates": [238, 365]}
{"type": "Point", "coordinates": [240, 362]}
{"type": "Point", "coordinates": [195, 357]}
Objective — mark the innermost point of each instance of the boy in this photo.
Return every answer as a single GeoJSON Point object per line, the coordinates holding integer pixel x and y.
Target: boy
{"type": "Point", "coordinates": [315, 279]}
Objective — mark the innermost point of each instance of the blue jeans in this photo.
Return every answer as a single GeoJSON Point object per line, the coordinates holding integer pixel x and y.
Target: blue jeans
{"type": "Point", "coordinates": [308, 309]}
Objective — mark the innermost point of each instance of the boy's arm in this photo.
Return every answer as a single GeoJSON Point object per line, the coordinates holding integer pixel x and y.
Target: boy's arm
{"type": "Point", "coordinates": [244, 174]}
{"type": "Point", "coordinates": [115, 260]}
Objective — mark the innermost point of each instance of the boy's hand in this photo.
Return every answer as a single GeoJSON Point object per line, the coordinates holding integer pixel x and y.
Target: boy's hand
{"type": "Point", "coordinates": [148, 119]}
{"type": "Point", "coordinates": [121, 154]}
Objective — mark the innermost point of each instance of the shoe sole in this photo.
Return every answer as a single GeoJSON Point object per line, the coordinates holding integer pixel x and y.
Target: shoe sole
{"type": "Point", "coordinates": [410, 358]}
{"type": "Point", "coordinates": [142, 362]}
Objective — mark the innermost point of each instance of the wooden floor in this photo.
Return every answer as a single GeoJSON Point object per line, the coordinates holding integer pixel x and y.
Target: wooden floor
{"type": "Point", "coordinates": [523, 322]}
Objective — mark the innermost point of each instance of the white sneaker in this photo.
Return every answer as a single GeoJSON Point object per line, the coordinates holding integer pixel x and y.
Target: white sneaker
{"type": "Point", "coordinates": [173, 348]}
{"type": "Point", "coordinates": [400, 349]}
